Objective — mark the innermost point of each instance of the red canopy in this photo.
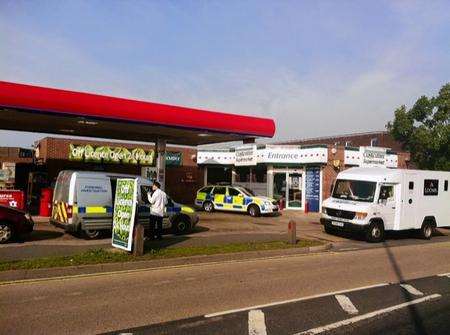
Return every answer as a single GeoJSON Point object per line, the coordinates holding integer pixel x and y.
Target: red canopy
{"type": "Point", "coordinates": [49, 110]}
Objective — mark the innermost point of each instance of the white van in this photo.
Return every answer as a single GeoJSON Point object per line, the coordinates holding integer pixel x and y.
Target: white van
{"type": "Point", "coordinates": [83, 203]}
{"type": "Point", "coordinates": [373, 200]}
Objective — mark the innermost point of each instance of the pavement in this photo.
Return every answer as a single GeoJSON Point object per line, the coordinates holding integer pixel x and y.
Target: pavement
{"type": "Point", "coordinates": [342, 291]}
{"type": "Point", "coordinates": [213, 229]}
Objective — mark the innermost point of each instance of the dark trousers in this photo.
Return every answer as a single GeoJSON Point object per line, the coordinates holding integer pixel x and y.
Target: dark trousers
{"type": "Point", "coordinates": [156, 226]}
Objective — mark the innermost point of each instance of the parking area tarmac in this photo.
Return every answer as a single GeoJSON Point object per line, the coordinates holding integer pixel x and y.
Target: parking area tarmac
{"type": "Point", "coordinates": [213, 229]}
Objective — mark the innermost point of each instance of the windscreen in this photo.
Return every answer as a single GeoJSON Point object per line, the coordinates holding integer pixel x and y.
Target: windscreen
{"type": "Point", "coordinates": [356, 190]}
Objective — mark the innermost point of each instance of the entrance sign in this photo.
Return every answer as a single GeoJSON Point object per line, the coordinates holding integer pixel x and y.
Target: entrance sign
{"type": "Point", "coordinates": [246, 156]}
{"type": "Point", "coordinates": [124, 213]}
{"type": "Point", "coordinates": [107, 154]}
{"type": "Point", "coordinates": [372, 156]}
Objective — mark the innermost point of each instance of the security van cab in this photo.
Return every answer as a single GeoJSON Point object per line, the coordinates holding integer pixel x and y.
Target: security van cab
{"type": "Point", "coordinates": [234, 198]}
{"type": "Point", "coordinates": [83, 203]}
{"type": "Point", "coordinates": [374, 199]}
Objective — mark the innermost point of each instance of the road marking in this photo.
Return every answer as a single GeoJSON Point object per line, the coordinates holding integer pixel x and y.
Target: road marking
{"type": "Point", "coordinates": [346, 304]}
{"type": "Point", "coordinates": [293, 300]}
{"type": "Point", "coordinates": [411, 289]}
{"type": "Point", "coordinates": [358, 318]}
{"type": "Point", "coordinates": [256, 322]}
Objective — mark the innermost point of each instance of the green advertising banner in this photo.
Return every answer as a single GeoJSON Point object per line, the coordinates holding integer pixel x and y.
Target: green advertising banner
{"type": "Point", "coordinates": [124, 213]}
{"type": "Point", "coordinates": [106, 154]}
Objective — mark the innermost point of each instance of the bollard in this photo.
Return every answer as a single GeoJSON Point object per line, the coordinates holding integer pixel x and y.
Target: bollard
{"type": "Point", "coordinates": [306, 207]}
{"type": "Point", "coordinates": [292, 232]}
{"type": "Point", "coordinates": [138, 240]}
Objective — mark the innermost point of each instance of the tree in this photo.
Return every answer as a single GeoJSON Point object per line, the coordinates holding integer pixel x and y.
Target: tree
{"type": "Point", "coordinates": [424, 130]}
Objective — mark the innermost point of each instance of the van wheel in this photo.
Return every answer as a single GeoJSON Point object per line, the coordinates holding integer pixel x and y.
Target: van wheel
{"type": "Point", "coordinates": [91, 234]}
{"type": "Point", "coordinates": [375, 232]}
{"type": "Point", "coordinates": [329, 230]}
{"type": "Point", "coordinates": [253, 211]}
{"type": "Point", "coordinates": [208, 206]}
{"type": "Point", "coordinates": [426, 231]}
{"type": "Point", "coordinates": [6, 232]}
{"type": "Point", "coordinates": [181, 226]}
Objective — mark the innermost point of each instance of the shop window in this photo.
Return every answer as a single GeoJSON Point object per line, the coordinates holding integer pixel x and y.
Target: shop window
{"type": "Point", "coordinates": [254, 174]}
{"type": "Point", "coordinates": [219, 190]}
{"type": "Point", "coordinates": [374, 142]}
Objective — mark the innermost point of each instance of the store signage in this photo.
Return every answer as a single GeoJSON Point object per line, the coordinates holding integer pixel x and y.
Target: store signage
{"type": "Point", "coordinates": [312, 194]}
{"type": "Point", "coordinates": [107, 154]}
{"type": "Point", "coordinates": [246, 155]}
{"type": "Point", "coordinates": [372, 156]}
{"type": "Point", "coordinates": [173, 158]}
{"type": "Point", "coordinates": [431, 187]}
{"type": "Point", "coordinates": [124, 213]}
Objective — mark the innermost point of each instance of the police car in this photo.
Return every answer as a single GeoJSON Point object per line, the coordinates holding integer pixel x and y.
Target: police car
{"type": "Point", "coordinates": [234, 198]}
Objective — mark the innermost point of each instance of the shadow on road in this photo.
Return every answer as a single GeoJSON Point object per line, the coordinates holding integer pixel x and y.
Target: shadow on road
{"type": "Point", "coordinates": [415, 315]}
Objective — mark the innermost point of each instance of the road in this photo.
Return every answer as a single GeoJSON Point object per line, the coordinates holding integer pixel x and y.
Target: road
{"type": "Point", "coordinates": [152, 298]}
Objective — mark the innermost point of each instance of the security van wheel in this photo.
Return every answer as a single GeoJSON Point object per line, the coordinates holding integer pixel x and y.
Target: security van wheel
{"type": "Point", "coordinates": [253, 211]}
{"type": "Point", "coordinates": [91, 234]}
{"type": "Point", "coordinates": [426, 231]}
{"type": "Point", "coordinates": [375, 232]}
{"type": "Point", "coordinates": [6, 232]}
{"type": "Point", "coordinates": [181, 226]}
{"type": "Point", "coordinates": [208, 206]}
{"type": "Point", "coordinates": [329, 230]}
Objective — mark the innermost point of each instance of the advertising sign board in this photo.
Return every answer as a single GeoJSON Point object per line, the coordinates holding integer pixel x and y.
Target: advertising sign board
{"type": "Point", "coordinates": [246, 155]}
{"type": "Point", "coordinates": [107, 154]}
{"type": "Point", "coordinates": [124, 213]}
{"type": "Point", "coordinates": [372, 156]}
{"type": "Point", "coordinates": [312, 194]}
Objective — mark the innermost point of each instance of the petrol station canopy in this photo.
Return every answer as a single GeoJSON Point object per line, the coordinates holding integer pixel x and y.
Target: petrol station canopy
{"type": "Point", "coordinates": [49, 110]}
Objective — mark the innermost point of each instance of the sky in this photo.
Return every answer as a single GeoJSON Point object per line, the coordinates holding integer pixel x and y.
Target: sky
{"type": "Point", "coordinates": [317, 68]}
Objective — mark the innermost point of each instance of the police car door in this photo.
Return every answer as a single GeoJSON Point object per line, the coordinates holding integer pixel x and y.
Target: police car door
{"type": "Point", "coordinates": [236, 199]}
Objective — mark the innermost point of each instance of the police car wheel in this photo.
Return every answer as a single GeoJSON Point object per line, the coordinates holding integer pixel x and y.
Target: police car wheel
{"type": "Point", "coordinates": [208, 206]}
{"type": "Point", "coordinates": [181, 226]}
{"type": "Point", "coordinates": [254, 211]}
{"type": "Point", "coordinates": [5, 232]}
{"type": "Point", "coordinates": [91, 233]}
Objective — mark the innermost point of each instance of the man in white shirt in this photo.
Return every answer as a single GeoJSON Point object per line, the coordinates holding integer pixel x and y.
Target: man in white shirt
{"type": "Point", "coordinates": [158, 202]}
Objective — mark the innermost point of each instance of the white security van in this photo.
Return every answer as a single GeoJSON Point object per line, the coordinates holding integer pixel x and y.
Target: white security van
{"type": "Point", "coordinates": [83, 203]}
{"type": "Point", "coordinates": [373, 200]}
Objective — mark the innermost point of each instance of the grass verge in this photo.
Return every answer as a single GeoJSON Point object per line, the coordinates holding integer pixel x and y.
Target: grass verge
{"type": "Point", "coordinates": [97, 256]}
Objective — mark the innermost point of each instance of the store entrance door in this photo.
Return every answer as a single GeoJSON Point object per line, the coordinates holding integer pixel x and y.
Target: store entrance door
{"type": "Point", "coordinates": [294, 190]}
{"type": "Point", "coordinates": [288, 188]}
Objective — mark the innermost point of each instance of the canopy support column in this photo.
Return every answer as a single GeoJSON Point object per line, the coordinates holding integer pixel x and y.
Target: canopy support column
{"type": "Point", "coordinates": [161, 162]}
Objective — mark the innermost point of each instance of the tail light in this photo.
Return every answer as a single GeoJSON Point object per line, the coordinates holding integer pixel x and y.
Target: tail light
{"type": "Point", "coordinates": [69, 211]}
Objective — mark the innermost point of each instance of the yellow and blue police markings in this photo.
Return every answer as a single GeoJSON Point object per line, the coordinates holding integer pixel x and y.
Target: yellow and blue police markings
{"type": "Point", "coordinates": [235, 203]}
{"type": "Point", "coordinates": [62, 211]}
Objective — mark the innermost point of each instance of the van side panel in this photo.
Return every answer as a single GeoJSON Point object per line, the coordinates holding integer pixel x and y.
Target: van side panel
{"type": "Point", "coordinates": [427, 199]}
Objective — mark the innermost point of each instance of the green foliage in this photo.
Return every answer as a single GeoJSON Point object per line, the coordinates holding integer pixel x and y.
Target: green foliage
{"type": "Point", "coordinates": [424, 130]}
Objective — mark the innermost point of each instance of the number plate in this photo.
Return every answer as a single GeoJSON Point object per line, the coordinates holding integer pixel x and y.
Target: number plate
{"type": "Point", "coordinates": [337, 223]}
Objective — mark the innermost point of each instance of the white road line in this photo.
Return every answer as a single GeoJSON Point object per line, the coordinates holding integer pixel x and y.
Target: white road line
{"type": "Point", "coordinates": [347, 249]}
{"type": "Point", "coordinates": [358, 318]}
{"type": "Point", "coordinates": [293, 300]}
{"type": "Point", "coordinates": [256, 322]}
{"type": "Point", "coordinates": [411, 289]}
{"type": "Point", "coordinates": [346, 304]}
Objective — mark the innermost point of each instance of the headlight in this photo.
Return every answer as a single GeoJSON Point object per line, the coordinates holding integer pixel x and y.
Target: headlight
{"type": "Point", "coordinates": [27, 216]}
{"type": "Point", "coordinates": [360, 215]}
{"type": "Point", "coordinates": [324, 210]}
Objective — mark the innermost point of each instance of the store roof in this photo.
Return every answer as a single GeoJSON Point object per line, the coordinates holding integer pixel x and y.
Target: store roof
{"type": "Point", "coordinates": [49, 110]}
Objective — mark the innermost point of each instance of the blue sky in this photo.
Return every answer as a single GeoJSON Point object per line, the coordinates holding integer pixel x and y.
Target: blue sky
{"type": "Point", "coordinates": [317, 67]}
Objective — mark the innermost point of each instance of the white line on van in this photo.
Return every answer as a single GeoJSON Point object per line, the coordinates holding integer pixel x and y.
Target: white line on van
{"type": "Point", "coordinates": [411, 289]}
{"type": "Point", "coordinates": [346, 304]}
{"type": "Point", "coordinates": [370, 315]}
{"type": "Point", "coordinates": [294, 300]}
{"type": "Point", "coordinates": [256, 322]}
